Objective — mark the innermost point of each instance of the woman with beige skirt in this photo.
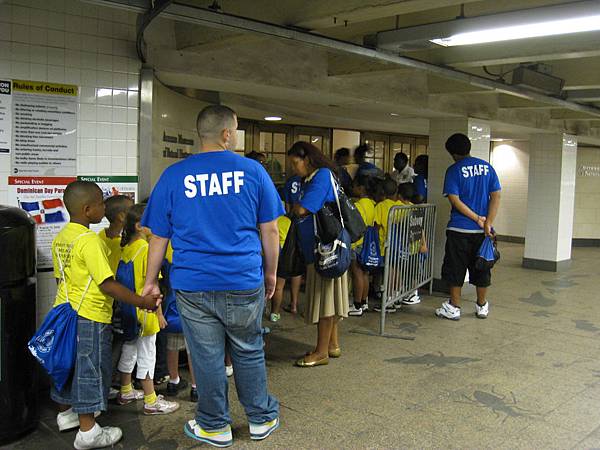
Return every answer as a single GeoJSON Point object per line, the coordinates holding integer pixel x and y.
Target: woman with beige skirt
{"type": "Point", "coordinates": [326, 300]}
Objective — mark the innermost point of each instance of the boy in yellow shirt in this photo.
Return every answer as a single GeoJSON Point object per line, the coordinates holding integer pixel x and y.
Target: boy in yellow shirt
{"type": "Point", "coordinates": [86, 280]}
{"type": "Point", "coordinates": [116, 208]}
{"type": "Point", "coordinates": [382, 210]}
{"type": "Point", "coordinates": [140, 351]}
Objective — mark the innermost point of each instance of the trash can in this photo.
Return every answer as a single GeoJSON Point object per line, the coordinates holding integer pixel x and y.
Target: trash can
{"type": "Point", "coordinates": [19, 412]}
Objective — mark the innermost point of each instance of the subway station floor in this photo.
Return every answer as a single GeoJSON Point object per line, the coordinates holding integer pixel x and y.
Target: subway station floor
{"type": "Point", "coordinates": [527, 377]}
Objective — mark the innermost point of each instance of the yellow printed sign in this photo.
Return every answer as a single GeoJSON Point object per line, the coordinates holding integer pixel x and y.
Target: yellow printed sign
{"type": "Point", "coordinates": [37, 87]}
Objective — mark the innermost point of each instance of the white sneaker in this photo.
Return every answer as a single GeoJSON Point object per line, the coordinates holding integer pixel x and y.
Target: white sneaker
{"type": "Point", "coordinates": [365, 306]}
{"type": "Point", "coordinates": [216, 438]}
{"type": "Point", "coordinates": [448, 311]}
{"type": "Point", "coordinates": [258, 432]}
{"type": "Point", "coordinates": [482, 311]}
{"type": "Point", "coordinates": [69, 420]}
{"type": "Point", "coordinates": [131, 396]}
{"type": "Point", "coordinates": [113, 393]}
{"type": "Point", "coordinates": [102, 437]}
{"type": "Point", "coordinates": [414, 299]}
{"type": "Point", "coordinates": [354, 311]}
{"type": "Point", "coordinates": [229, 371]}
{"type": "Point", "coordinates": [160, 406]}
{"type": "Point", "coordinates": [274, 317]}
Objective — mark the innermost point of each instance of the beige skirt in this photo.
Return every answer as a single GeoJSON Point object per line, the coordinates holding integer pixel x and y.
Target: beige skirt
{"type": "Point", "coordinates": [324, 297]}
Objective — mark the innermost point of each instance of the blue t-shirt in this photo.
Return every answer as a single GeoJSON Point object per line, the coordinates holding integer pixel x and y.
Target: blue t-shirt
{"type": "Point", "coordinates": [210, 206]}
{"type": "Point", "coordinates": [420, 185]}
{"type": "Point", "coordinates": [292, 189]}
{"type": "Point", "coordinates": [368, 169]}
{"type": "Point", "coordinates": [317, 191]}
{"type": "Point", "coordinates": [473, 180]}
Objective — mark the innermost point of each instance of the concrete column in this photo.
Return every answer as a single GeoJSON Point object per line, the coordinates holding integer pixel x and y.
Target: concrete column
{"type": "Point", "coordinates": [145, 131]}
{"type": "Point", "coordinates": [439, 160]}
{"type": "Point", "coordinates": [551, 201]}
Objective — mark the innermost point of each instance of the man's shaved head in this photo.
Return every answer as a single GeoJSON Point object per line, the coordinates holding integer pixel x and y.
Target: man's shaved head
{"type": "Point", "coordinates": [79, 194]}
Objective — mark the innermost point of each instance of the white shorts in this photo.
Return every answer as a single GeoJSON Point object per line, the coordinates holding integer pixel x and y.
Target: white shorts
{"type": "Point", "coordinates": [141, 351]}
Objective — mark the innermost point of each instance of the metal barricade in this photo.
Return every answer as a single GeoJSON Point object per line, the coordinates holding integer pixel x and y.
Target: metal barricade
{"type": "Point", "coordinates": [408, 267]}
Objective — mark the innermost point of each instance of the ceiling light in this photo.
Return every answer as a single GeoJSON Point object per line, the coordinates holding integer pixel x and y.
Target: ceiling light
{"type": "Point", "coordinates": [572, 17]}
{"type": "Point", "coordinates": [273, 118]}
{"type": "Point", "coordinates": [164, 116]}
{"type": "Point", "coordinates": [394, 114]}
{"type": "Point", "coordinates": [315, 139]}
{"type": "Point", "coordinates": [509, 33]}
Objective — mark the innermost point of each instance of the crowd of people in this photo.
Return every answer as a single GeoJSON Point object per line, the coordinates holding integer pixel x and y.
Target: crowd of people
{"type": "Point", "coordinates": [195, 266]}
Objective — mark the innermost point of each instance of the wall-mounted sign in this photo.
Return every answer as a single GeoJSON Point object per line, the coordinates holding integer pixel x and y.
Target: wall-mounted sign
{"type": "Point", "coordinates": [588, 171]}
{"type": "Point", "coordinates": [113, 185]}
{"type": "Point", "coordinates": [177, 144]}
{"type": "Point", "coordinates": [5, 116]}
{"type": "Point", "coordinates": [44, 129]}
{"type": "Point", "coordinates": [42, 198]}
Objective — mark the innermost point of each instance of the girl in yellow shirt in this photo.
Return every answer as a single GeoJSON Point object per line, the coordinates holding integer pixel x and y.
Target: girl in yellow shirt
{"type": "Point", "coordinates": [142, 349]}
{"type": "Point", "coordinates": [360, 277]}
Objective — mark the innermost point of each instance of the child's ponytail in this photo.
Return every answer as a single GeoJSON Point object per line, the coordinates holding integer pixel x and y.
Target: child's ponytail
{"type": "Point", "coordinates": [134, 215]}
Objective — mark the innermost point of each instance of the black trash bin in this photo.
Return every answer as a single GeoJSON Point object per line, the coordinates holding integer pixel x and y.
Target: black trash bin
{"type": "Point", "coordinates": [19, 412]}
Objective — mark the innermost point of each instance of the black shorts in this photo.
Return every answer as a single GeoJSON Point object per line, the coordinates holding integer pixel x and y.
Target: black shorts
{"type": "Point", "coordinates": [461, 254]}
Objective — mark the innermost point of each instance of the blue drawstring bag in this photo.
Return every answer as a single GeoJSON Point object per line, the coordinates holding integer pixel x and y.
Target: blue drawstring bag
{"type": "Point", "coordinates": [370, 256]}
{"type": "Point", "coordinates": [487, 255]}
{"type": "Point", "coordinates": [126, 312]}
{"type": "Point", "coordinates": [170, 303]}
{"type": "Point", "coordinates": [54, 344]}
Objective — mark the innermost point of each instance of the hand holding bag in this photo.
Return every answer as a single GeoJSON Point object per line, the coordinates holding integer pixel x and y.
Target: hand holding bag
{"type": "Point", "coordinates": [488, 254]}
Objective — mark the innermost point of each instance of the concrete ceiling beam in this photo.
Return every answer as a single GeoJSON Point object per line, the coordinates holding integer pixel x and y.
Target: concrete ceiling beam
{"type": "Point", "coordinates": [584, 95]}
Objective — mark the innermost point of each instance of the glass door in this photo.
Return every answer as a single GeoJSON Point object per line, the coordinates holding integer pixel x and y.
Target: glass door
{"type": "Point", "coordinates": [379, 145]}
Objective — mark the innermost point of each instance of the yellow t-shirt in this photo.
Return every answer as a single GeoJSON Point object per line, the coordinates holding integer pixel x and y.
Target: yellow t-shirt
{"type": "Point", "coordinates": [114, 248]}
{"type": "Point", "coordinates": [283, 223]}
{"type": "Point", "coordinates": [366, 208]}
{"type": "Point", "coordinates": [138, 252]}
{"type": "Point", "coordinates": [382, 210]}
{"type": "Point", "coordinates": [85, 261]}
{"type": "Point", "coordinates": [169, 253]}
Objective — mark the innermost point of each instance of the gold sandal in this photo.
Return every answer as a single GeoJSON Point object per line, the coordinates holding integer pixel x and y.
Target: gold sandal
{"type": "Point", "coordinates": [335, 353]}
{"type": "Point", "coordinates": [321, 362]}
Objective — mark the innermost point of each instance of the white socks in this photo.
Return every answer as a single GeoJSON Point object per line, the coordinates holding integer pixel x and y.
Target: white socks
{"type": "Point", "coordinates": [174, 380]}
{"type": "Point", "coordinates": [91, 433]}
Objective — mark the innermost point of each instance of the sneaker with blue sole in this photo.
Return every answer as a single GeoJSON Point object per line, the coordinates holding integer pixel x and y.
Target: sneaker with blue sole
{"type": "Point", "coordinates": [217, 438]}
{"type": "Point", "coordinates": [260, 431]}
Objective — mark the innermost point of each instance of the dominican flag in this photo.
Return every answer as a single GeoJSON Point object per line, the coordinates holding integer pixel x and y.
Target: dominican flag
{"type": "Point", "coordinates": [45, 211]}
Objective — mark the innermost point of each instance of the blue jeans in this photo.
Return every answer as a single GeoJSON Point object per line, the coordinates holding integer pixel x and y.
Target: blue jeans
{"type": "Point", "coordinates": [87, 392]}
{"type": "Point", "coordinates": [213, 321]}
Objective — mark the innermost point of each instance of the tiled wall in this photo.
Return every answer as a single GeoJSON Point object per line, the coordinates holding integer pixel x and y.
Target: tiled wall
{"type": "Point", "coordinates": [551, 191]}
{"type": "Point", "coordinates": [68, 41]}
{"type": "Point", "coordinates": [511, 162]}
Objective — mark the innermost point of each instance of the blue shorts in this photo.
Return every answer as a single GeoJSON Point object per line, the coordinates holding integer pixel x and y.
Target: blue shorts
{"type": "Point", "coordinates": [87, 391]}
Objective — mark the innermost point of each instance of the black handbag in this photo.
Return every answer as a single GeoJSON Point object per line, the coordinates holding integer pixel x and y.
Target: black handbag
{"type": "Point", "coordinates": [353, 221]}
{"type": "Point", "coordinates": [291, 262]}
{"type": "Point", "coordinates": [328, 223]}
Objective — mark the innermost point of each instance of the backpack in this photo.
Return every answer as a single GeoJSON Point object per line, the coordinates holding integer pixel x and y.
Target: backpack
{"type": "Point", "coordinates": [370, 256]}
{"type": "Point", "coordinates": [170, 303]}
{"type": "Point", "coordinates": [126, 313]}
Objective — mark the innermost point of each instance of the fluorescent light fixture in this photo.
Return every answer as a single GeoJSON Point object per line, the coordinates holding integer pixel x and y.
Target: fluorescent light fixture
{"type": "Point", "coordinates": [394, 114]}
{"type": "Point", "coordinates": [566, 18]}
{"type": "Point", "coordinates": [509, 33]}
{"type": "Point", "coordinates": [273, 118]}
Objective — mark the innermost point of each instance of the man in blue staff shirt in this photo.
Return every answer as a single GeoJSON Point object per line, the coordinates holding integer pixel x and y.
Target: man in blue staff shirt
{"type": "Point", "coordinates": [208, 206]}
{"type": "Point", "coordinates": [473, 189]}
